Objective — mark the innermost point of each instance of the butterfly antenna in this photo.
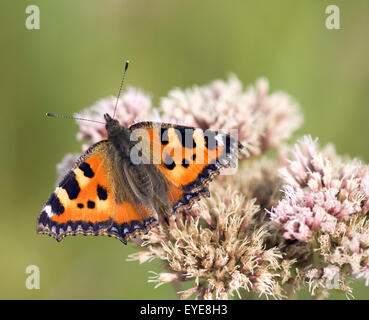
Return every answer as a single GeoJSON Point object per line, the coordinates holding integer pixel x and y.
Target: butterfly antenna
{"type": "Point", "coordinates": [53, 115]}
{"type": "Point", "coordinates": [121, 86]}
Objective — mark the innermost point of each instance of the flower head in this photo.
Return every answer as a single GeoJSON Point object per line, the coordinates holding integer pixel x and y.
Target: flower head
{"type": "Point", "coordinates": [225, 258]}
{"type": "Point", "coordinates": [133, 106]}
{"type": "Point", "coordinates": [324, 204]}
{"type": "Point", "coordinates": [320, 190]}
{"type": "Point", "coordinates": [263, 120]}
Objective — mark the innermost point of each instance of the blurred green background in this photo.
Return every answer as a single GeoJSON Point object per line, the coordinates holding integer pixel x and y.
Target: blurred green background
{"type": "Point", "coordinates": [76, 58]}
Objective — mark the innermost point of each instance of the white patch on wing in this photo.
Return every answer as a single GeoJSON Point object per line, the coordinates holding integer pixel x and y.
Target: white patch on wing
{"type": "Point", "coordinates": [49, 211]}
{"type": "Point", "coordinates": [220, 139]}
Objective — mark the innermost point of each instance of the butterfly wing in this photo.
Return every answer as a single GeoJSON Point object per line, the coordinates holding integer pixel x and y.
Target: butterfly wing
{"type": "Point", "coordinates": [105, 194]}
{"type": "Point", "coordinates": [85, 201]}
{"type": "Point", "coordinates": [188, 158]}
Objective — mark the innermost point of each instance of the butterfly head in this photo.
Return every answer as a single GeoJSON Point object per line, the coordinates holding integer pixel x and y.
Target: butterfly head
{"type": "Point", "coordinates": [112, 126]}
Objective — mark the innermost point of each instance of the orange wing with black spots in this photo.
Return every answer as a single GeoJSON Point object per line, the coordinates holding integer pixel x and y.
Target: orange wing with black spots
{"type": "Point", "coordinates": [84, 203]}
{"type": "Point", "coordinates": [189, 158]}
{"type": "Point", "coordinates": [108, 193]}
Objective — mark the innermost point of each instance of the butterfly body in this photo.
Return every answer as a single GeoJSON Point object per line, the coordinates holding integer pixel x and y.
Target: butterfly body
{"type": "Point", "coordinates": [123, 185]}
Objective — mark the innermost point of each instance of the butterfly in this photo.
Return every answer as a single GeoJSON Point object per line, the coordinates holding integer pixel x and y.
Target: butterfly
{"type": "Point", "coordinates": [123, 185]}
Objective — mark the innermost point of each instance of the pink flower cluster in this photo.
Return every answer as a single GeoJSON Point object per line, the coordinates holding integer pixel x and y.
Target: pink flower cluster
{"type": "Point", "coordinates": [263, 120]}
{"type": "Point", "coordinates": [320, 190]}
{"type": "Point", "coordinates": [132, 106]}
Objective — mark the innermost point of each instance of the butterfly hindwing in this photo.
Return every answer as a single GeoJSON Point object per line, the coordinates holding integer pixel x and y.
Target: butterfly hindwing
{"type": "Point", "coordinates": [128, 221]}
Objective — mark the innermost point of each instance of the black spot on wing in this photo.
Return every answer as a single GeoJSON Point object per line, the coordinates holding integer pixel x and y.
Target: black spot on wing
{"type": "Point", "coordinates": [228, 141]}
{"type": "Point", "coordinates": [164, 138]}
{"type": "Point", "coordinates": [169, 162]}
{"type": "Point", "coordinates": [55, 204]}
{"type": "Point", "coordinates": [43, 218]}
{"type": "Point", "coordinates": [80, 205]}
{"type": "Point", "coordinates": [87, 171]}
{"type": "Point", "coordinates": [185, 136]}
{"type": "Point", "coordinates": [185, 163]}
{"type": "Point", "coordinates": [210, 141]}
{"type": "Point", "coordinates": [90, 204]}
{"type": "Point", "coordinates": [102, 193]}
{"type": "Point", "coordinates": [70, 184]}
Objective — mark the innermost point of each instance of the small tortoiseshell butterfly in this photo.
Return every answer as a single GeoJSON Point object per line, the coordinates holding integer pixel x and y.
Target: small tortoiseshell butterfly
{"type": "Point", "coordinates": [122, 185]}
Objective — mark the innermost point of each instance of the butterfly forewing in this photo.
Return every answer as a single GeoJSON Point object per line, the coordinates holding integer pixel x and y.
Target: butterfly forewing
{"type": "Point", "coordinates": [187, 157]}
{"type": "Point", "coordinates": [85, 202]}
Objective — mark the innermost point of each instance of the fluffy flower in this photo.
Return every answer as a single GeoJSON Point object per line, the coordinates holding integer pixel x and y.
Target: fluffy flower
{"type": "Point", "coordinates": [262, 120]}
{"type": "Point", "coordinates": [346, 248]}
{"type": "Point", "coordinates": [260, 180]}
{"type": "Point", "coordinates": [227, 258]}
{"type": "Point", "coordinates": [133, 106]}
{"type": "Point", "coordinates": [324, 205]}
{"type": "Point", "coordinates": [324, 279]}
{"type": "Point", "coordinates": [162, 278]}
{"type": "Point", "coordinates": [320, 190]}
